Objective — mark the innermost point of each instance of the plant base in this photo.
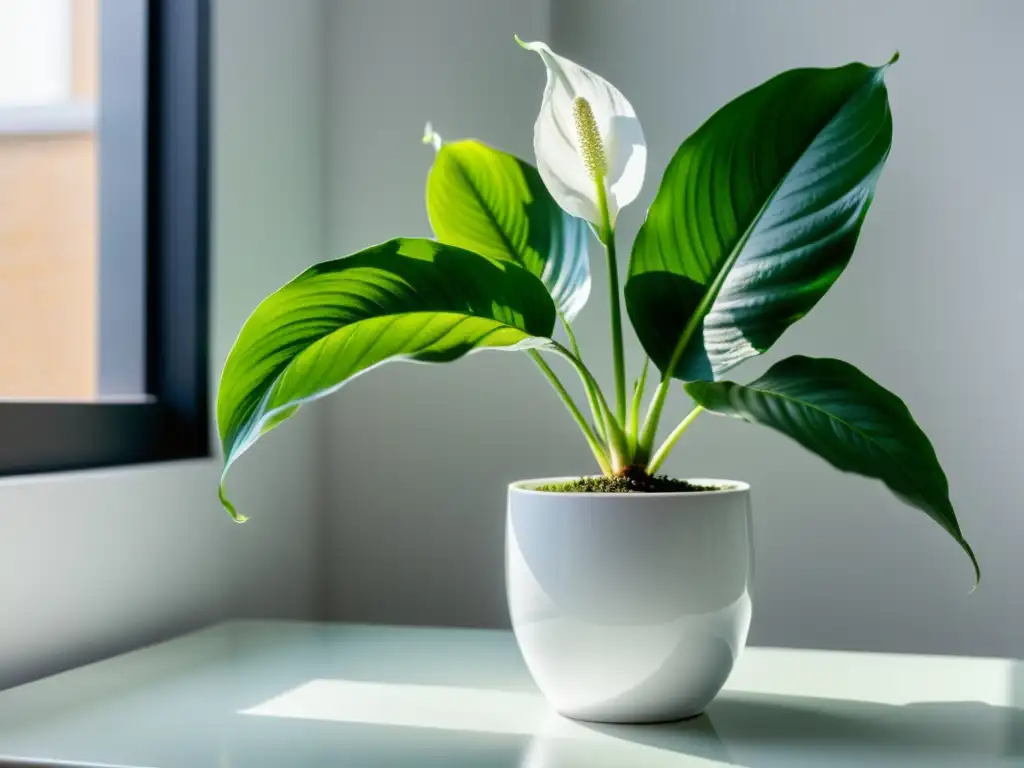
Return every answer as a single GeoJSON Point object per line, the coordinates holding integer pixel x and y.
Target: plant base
{"type": "Point", "coordinates": [630, 480]}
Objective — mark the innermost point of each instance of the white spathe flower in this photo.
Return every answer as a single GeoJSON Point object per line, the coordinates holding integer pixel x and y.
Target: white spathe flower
{"type": "Point", "coordinates": [586, 135]}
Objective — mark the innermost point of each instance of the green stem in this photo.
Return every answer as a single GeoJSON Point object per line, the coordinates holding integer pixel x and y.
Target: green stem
{"type": "Point", "coordinates": [588, 385]}
{"type": "Point", "coordinates": [650, 432]}
{"type": "Point", "coordinates": [662, 453]}
{"type": "Point", "coordinates": [654, 412]}
{"type": "Point", "coordinates": [620, 454]}
{"type": "Point", "coordinates": [618, 445]}
{"type": "Point", "coordinates": [588, 433]}
{"type": "Point", "coordinates": [633, 422]}
{"type": "Point", "coordinates": [608, 238]}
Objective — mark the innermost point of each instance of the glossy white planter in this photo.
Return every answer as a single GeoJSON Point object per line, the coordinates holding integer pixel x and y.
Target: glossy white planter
{"type": "Point", "coordinates": [629, 608]}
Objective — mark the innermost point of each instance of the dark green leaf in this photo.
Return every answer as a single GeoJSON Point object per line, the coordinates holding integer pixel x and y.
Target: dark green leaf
{"type": "Point", "coordinates": [837, 412]}
{"type": "Point", "coordinates": [406, 299]}
{"type": "Point", "coordinates": [756, 217]}
{"type": "Point", "coordinates": [490, 202]}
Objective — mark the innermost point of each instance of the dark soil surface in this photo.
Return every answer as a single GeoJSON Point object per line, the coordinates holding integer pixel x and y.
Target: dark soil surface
{"type": "Point", "coordinates": [628, 482]}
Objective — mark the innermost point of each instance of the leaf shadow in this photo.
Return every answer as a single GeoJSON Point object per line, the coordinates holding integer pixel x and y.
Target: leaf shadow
{"type": "Point", "coordinates": [660, 305]}
{"type": "Point", "coordinates": [770, 731]}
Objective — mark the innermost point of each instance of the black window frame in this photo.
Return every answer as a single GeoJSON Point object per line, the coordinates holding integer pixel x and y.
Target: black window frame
{"type": "Point", "coordinates": [172, 420]}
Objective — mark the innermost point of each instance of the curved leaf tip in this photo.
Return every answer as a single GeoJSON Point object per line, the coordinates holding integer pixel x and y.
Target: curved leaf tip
{"type": "Point", "coordinates": [974, 561]}
{"type": "Point", "coordinates": [757, 215]}
{"type": "Point", "coordinates": [222, 495]}
{"type": "Point", "coordinates": [852, 422]}
{"type": "Point", "coordinates": [406, 299]}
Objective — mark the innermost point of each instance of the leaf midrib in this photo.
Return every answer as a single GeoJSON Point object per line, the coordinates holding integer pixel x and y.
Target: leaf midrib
{"type": "Point", "coordinates": [395, 316]}
{"type": "Point", "coordinates": [517, 256]}
{"type": "Point", "coordinates": [811, 406]}
{"type": "Point", "coordinates": [711, 294]}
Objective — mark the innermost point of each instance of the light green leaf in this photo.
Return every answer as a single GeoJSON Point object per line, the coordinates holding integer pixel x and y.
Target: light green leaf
{"type": "Point", "coordinates": [756, 217]}
{"type": "Point", "coordinates": [492, 203]}
{"type": "Point", "coordinates": [837, 412]}
{"type": "Point", "coordinates": [406, 299]}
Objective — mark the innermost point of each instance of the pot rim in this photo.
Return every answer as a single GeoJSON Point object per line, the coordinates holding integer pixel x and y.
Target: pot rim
{"type": "Point", "coordinates": [731, 486]}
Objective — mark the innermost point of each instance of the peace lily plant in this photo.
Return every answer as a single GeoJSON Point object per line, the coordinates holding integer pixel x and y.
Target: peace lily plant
{"type": "Point", "coordinates": [755, 218]}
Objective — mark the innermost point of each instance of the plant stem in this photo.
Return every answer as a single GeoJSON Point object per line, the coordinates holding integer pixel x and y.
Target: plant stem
{"type": "Point", "coordinates": [620, 454]}
{"type": "Point", "coordinates": [650, 432]}
{"type": "Point", "coordinates": [670, 441]}
{"type": "Point", "coordinates": [588, 433]}
{"type": "Point", "coordinates": [615, 440]}
{"type": "Point", "coordinates": [617, 351]}
{"type": "Point", "coordinates": [608, 238]}
{"type": "Point", "coordinates": [588, 385]}
{"type": "Point", "coordinates": [633, 421]}
{"type": "Point", "coordinates": [654, 412]}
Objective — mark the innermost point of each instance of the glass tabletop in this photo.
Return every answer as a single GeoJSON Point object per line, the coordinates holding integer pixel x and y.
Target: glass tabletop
{"type": "Point", "coordinates": [281, 693]}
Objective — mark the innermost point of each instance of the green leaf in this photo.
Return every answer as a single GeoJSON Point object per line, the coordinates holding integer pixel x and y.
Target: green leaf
{"type": "Point", "coordinates": [406, 299]}
{"type": "Point", "coordinates": [492, 203]}
{"type": "Point", "coordinates": [756, 217]}
{"type": "Point", "coordinates": [856, 425]}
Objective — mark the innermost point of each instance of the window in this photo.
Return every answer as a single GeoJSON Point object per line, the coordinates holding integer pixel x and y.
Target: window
{"type": "Point", "coordinates": [48, 196]}
{"type": "Point", "coordinates": [103, 232]}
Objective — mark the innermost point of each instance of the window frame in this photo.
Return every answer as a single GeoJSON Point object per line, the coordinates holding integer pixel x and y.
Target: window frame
{"type": "Point", "coordinates": [172, 421]}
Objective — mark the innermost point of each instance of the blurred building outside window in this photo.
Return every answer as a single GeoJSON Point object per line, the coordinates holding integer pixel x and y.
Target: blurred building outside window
{"type": "Point", "coordinates": [49, 96]}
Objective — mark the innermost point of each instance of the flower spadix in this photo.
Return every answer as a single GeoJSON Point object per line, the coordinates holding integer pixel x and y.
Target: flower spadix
{"type": "Point", "coordinates": [588, 141]}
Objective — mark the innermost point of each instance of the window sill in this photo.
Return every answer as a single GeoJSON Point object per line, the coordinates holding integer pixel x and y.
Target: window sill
{"type": "Point", "coordinates": [68, 118]}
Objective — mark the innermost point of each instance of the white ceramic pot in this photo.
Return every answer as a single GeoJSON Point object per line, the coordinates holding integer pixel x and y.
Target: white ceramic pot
{"type": "Point", "coordinates": [629, 608]}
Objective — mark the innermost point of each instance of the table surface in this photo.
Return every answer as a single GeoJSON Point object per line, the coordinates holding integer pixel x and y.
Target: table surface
{"type": "Point", "coordinates": [260, 694]}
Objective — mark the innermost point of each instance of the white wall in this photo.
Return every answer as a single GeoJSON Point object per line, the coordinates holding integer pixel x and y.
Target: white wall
{"type": "Point", "coordinates": [410, 463]}
{"type": "Point", "coordinates": [421, 454]}
{"type": "Point", "coordinates": [931, 307]}
{"type": "Point", "coordinates": [95, 562]}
